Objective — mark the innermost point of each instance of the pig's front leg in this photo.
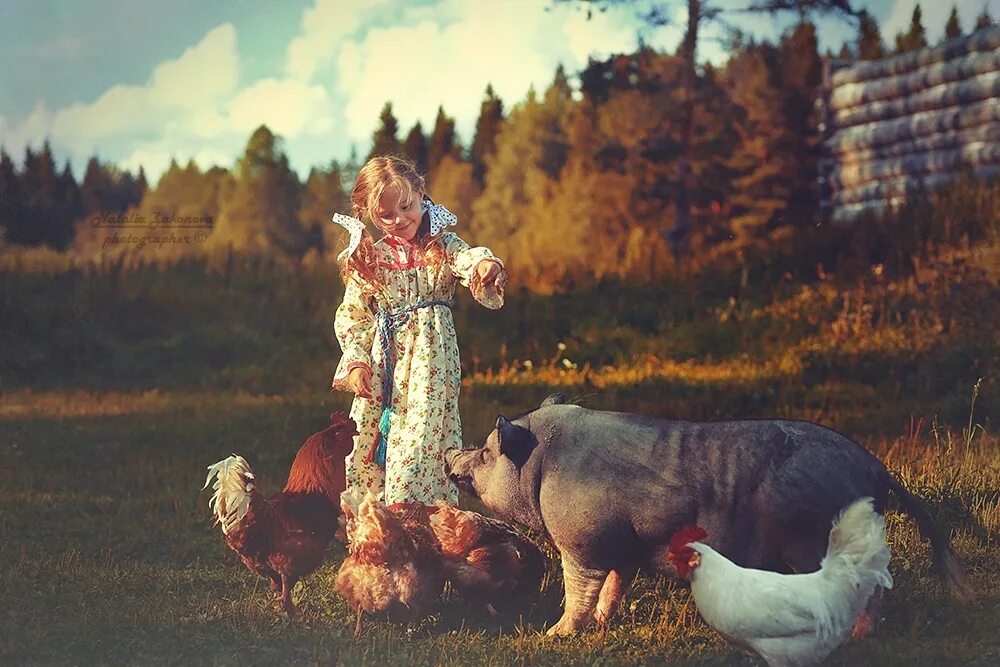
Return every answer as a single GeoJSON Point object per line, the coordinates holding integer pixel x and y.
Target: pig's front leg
{"type": "Point", "coordinates": [612, 591]}
{"type": "Point", "coordinates": [583, 585]}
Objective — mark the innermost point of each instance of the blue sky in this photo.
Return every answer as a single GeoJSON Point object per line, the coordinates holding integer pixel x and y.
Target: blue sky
{"type": "Point", "coordinates": [142, 82]}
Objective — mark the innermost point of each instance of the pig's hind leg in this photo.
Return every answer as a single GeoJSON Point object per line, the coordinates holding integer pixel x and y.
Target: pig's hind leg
{"type": "Point", "coordinates": [583, 586]}
{"type": "Point", "coordinates": [617, 582]}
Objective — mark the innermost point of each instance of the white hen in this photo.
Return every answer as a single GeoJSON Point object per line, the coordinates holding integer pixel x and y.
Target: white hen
{"type": "Point", "coordinates": [790, 620]}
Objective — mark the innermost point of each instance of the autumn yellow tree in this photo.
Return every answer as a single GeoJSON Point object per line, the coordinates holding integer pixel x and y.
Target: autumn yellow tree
{"type": "Point", "coordinates": [260, 212]}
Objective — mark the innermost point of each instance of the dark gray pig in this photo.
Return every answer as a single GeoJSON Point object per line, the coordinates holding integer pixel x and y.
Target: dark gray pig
{"type": "Point", "coordinates": [609, 489]}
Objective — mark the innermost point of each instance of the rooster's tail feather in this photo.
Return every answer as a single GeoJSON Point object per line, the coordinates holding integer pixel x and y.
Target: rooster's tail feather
{"type": "Point", "coordinates": [234, 488]}
{"type": "Point", "coordinates": [857, 545]}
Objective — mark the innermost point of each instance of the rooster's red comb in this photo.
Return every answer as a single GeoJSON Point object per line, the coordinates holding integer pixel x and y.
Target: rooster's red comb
{"type": "Point", "coordinates": [685, 536]}
{"type": "Point", "coordinates": [340, 420]}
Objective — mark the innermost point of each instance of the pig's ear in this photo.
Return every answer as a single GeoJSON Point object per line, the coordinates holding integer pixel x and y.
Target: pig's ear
{"type": "Point", "coordinates": [516, 442]}
{"type": "Point", "coordinates": [553, 399]}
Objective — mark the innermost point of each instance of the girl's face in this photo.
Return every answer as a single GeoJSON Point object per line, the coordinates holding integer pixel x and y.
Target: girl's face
{"type": "Point", "coordinates": [399, 214]}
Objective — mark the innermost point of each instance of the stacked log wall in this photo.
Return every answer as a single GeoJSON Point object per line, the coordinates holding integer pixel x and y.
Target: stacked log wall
{"type": "Point", "coordinates": [893, 126]}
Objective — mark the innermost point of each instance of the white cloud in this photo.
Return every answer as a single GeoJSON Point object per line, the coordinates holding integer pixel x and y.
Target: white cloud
{"type": "Point", "coordinates": [324, 26]}
{"type": "Point", "coordinates": [205, 72]}
{"type": "Point", "coordinates": [347, 61]}
{"type": "Point", "coordinates": [420, 65]}
{"type": "Point", "coordinates": [200, 77]}
{"type": "Point", "coordinates": [287, 107]}
{"type": "Point", "coordinates": [31, 131]}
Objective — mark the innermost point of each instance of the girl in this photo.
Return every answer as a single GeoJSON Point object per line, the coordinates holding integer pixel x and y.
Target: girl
{"type": "Point", "coordinates": [395, 327]}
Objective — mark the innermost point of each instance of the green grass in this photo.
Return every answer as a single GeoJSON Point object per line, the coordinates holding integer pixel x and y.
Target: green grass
{"type": "Point", "coordinates": [107, 555]}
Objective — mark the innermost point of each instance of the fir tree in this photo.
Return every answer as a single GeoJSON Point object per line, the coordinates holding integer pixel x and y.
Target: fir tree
{"type": "Point", "coordinates": [415, 147]}
{"type": "Point", "coordinates": [455, 185]}
{"type": "Point", "coordinates": [952, 28]}
{"type": "Point", "coordinates": [39, 188]}
{"type": "Point", "coordinates": [802, 74]}
{"type": "Point", "coordinates": [487, 126]}
{"type": "Point", "coordinates": [984, 20]}
{"type": "Point", "coordinates": [870, 44]}
{"type": "Point", "coordinates": [760, 161]}
{"type": "Point", "coordinates": [11, 205]}
{"type": "Point", "coordinates": [323, 196]}
{"type": "Point", "coordinates": [385, 140]}
{"type": "Point", "coordinates": [70, 207]}
{"type": "Point", "coordinates": [260, 211]}
{"type": "Point", "coordinates": [915, 38]}
{"type": "Point", "coordinates": [442, 142]}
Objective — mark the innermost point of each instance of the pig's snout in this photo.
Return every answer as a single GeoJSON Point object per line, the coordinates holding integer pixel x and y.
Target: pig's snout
{"type": "Point", "coordinates": [450, 455]}
{"type": "Point", "coordinates": [457, 471]}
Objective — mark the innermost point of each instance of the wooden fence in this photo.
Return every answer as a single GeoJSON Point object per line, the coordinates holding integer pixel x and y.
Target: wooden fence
{"type": "Point", "coordinates": [914, 120]}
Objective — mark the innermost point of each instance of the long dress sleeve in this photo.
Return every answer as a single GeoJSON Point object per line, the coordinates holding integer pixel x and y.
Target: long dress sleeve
{"type": "Point", "coordinates": [464, 262]}
{"type": "Point", "coordinates": [355, 327]}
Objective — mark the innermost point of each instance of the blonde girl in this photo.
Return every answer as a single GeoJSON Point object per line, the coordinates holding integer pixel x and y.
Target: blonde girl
{"type": "Point", "coordinates": [395, 327]}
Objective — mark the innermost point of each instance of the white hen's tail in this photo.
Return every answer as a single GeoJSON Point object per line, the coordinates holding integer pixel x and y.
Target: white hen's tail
{"type": "Point", "coordinates": [857, 552]}
{"type": "Point", "coordinates": [234, 487]}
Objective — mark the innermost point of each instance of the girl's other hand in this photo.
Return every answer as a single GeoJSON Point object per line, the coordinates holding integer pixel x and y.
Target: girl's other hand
{"type": "Point", "coordinates": [360, 381]}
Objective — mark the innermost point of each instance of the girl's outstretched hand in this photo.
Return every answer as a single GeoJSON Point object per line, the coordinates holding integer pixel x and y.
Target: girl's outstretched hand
{"type": "Point", "coordinates": [488, 271]}
{"type": "Point", "coordinates": [360, 381]}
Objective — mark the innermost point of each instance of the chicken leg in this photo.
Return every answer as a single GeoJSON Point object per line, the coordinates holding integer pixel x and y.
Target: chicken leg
{"type": "Point", "coordinates": [583, 586]}
{"type": "Point", "coordinates": [287, 584]}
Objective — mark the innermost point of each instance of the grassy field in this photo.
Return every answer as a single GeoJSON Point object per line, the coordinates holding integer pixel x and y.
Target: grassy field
{"type": "Point", "coordinates": [118, 387]}
{"type": "Point", "coordinates": [107, 554]}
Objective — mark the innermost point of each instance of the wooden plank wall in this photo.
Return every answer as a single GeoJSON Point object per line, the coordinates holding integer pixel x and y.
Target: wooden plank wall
{"type": "Point", "coordinates": [917, 118]}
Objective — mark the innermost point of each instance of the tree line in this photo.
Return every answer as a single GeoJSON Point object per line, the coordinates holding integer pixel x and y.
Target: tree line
{"type": "Point", "coordinates": [565, 184]}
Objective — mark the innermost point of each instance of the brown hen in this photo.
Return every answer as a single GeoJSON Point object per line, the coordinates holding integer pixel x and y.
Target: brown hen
{"type": "Point", "coordinates": [393, 563]}
{"type": "Point", "coordinates": [485, 558]}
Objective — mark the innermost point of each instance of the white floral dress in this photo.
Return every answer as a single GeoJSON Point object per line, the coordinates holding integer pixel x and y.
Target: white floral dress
{"type": "Point", "coordinates": [424, 420]}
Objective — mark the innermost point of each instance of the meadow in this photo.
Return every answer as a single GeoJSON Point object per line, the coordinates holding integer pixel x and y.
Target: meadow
{"type": "Point", "coordinates": [121, 381]}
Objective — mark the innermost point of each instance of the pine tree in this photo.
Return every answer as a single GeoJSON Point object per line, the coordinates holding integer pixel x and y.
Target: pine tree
{"type": "Point", "coordinates": [984, 20]}
{"type": "Point", "coordinates": [11, 205]}
{"type": "Point", "coordinates": [70, 207]}
{"type": "Point", "coordinates": [953, 28]}
{"type": "Point", "coordinates": [39, 187]}
{"type": "Point", "coordinates": [415, 147]}
{"type": "Point", "coordinates": [260, 211]}
{"type": "Point", "coordinates": [915, 38]}
{"type": "Point", "coordinates": [760, 161]}
{"type": "Point", "coordinates": [142, 185]}
{"type": "Point", "coordinates": [96, 190]}
{"type": "Point", "coordinates": [456, 187]}
{"type": "Point", "coordinates": [442, 142]}
{"type": "Point", "coordinates": [558, 98]}
{"type": "Point", "coordinates": [487, 126]}
{"type": "Point", "coordinates": [385, 140]}
{"type": "Point", "coordinates": [845, 52]}
{"type": "Point", "coordinates": [870, 44]}
{"type": "Point", "coordinates": [802, 74]}
{"type": "Point", "coordinates": [323, 196]}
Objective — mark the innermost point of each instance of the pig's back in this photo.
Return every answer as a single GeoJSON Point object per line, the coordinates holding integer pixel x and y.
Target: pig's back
{"type": "Point", "coordinates": [648, 475]}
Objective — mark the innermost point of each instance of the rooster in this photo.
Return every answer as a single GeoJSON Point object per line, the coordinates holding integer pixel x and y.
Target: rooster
{"type": "Point", "coordinates": [284, 538]}
{"type": "Point", "coordinates": [486, 558]}
{"type": "Point", "coordinates": [789, 619]}
{"type": "Point", "coordinates": [393, 562]}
